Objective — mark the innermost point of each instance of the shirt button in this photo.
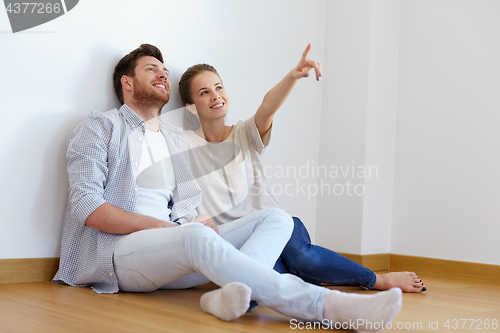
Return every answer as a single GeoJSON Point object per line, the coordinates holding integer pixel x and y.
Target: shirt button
{"type": "Point", "coordinates": [113, 243]}
{"type": "Point", "coordinates": [140, 139]}
{"type": "Point", "coordinates": [133, 125]}
{"type": "Point", "coordinates": [135, 189]}
{"type": "Point", "coordinates": [136, 163]}
{"type": "Point", "coordinates": [110, 274]}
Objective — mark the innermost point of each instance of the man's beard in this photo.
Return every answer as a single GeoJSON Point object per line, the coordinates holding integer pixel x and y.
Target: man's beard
{"type": "Point", "coordinates": [147, 98]}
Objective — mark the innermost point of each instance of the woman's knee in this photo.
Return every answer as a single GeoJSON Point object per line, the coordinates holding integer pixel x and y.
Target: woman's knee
{"type": "Point", "coordinates": [300, 232]}
{"type": "Point", "coordinates": [299, 244]}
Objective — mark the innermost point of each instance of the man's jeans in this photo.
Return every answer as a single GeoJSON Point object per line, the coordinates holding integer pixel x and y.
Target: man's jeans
{"type": "Point", "coordinates": [244, 251]}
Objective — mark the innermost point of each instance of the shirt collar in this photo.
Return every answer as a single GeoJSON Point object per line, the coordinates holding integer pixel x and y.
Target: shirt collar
{"type": "Point", "coordinates": [131, 117]}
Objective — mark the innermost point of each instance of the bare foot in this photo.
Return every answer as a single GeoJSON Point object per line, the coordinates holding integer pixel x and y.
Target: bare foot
{"type": "Point", "coordinates": [407, 281]}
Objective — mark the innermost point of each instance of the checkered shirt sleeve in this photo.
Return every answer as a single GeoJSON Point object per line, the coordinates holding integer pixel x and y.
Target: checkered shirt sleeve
{"type": "Point", "coordinates": [101, 155]}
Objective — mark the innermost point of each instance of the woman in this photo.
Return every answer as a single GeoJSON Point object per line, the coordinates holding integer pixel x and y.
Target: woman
{"type": "Point", "coordinates": [226, 163]}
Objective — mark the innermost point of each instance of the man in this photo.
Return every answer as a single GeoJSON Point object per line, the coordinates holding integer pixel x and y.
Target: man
{"type": "Point", "coordinates": [128, 229]}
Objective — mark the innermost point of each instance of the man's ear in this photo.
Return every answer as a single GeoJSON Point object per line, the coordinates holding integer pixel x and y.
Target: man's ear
{"type": "Point", "coordinates": [191, 108]}
{"type": "Point", "coordinates": [126, 82]}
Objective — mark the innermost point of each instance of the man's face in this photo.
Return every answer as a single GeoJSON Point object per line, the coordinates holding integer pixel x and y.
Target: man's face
{"type": "Point", "coordinates": [151, 86]}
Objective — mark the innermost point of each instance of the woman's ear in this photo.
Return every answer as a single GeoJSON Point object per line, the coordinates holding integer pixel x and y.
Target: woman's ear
{"type": "Point", "coordinates": [191, 108]}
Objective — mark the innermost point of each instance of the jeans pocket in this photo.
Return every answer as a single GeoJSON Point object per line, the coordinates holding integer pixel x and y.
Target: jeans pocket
{"type": "Point", "coordinates": [129, 277]}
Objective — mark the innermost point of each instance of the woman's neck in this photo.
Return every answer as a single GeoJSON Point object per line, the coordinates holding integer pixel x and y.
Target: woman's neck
{"type": "Point", "coordinates": [215, 131]}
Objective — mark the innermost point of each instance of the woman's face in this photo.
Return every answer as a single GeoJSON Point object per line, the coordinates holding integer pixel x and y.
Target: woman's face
{"type": "Point", "coordinates": [209, 96]}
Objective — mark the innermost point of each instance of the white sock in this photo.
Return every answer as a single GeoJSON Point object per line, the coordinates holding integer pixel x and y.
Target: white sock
{"type": "Point", "coordinates": [362, 312]}
{"type": "Point", "coordinates": [227, 303]}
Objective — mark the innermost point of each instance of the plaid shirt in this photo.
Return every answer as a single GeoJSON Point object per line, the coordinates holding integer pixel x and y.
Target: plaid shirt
{"type": "Point", "coordinates": [103, 157]}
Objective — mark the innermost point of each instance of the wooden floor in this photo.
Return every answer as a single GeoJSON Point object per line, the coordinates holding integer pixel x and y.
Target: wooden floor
{"type": "Point", "coordinates": [46, 307]}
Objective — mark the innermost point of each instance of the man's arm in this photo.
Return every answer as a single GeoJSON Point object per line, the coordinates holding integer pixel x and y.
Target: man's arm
{"type": "Point", "coordinates": [88, 172]}
{"type": "Point", "coordinates": [114, 220]}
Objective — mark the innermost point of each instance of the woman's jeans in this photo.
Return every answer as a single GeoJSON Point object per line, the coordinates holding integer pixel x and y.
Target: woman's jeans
{"type": "Point", "coordinates": [315, 264]}
{"type": "Point", "coordinates": [244, 251]}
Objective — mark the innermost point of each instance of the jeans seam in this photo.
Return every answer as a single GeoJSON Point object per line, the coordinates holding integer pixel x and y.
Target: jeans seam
{"type": "Point", "coordinates": [343, 281]}
{"type": "Point", "coordinates": [372, 282]}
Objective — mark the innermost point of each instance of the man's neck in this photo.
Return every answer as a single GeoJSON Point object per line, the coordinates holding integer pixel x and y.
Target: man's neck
{"type": "Point", "coordinates": [150, 115]}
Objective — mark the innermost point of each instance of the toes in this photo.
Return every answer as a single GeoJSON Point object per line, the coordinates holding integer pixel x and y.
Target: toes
{"type": "Point", "coordinates": [420, 287]}
{"type": "Point", "coordinates": [415, 278]}
{"type": "Point", "coordinates": [417, 288]}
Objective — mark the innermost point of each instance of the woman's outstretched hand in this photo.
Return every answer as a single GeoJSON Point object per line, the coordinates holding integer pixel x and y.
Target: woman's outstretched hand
{"type": "Point", "coordinates": [277, 96]}
{"type": "Point", "coordinates": [305, 65]}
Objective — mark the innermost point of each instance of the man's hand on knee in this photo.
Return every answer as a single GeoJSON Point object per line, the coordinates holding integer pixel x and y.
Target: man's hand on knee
{"type": "Point", "coordinates": [206, 220]}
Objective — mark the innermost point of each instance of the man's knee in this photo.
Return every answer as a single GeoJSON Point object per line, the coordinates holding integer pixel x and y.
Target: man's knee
{"type": "Point", "coordinates": [197, 232]}
{"type": "Point", "coordinates": [280, 216]}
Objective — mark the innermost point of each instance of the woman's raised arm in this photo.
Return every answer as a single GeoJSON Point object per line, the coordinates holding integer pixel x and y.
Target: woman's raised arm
{"type": "Point", "coordinates": [277, 95]}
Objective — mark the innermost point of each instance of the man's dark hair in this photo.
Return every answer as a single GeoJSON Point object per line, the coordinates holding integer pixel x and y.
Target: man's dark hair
{"type": "Point", "coordinates": [126, 66]}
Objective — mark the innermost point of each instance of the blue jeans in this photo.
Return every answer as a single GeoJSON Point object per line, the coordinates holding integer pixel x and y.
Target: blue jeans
{"type": "Point", "coordinates": [315, 264]}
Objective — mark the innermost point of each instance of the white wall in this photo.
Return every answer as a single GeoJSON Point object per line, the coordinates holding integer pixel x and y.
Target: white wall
{"type": "Point", "coordinates": [55, 74]}
{"type": "Point", "coordinates": [358, 125]}
{"type": "Point", "coordinates": [381, 127]}
{"type": "Point", "coordinates": [447, 161]}
{"type": "Point", "coordinates": [410, 87]}
{"type": "Point", "coordinates": [343, 122]}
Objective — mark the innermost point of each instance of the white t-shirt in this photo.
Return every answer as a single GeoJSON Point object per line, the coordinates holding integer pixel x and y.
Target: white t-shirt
{"type": "Point", "coordinates": [155, 177]}
{"type": "Point", "coordinates": [230, 173]}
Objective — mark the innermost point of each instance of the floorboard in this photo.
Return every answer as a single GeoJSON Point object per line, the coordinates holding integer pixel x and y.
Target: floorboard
{"type": "Point", "coordinates": [46, 307]}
